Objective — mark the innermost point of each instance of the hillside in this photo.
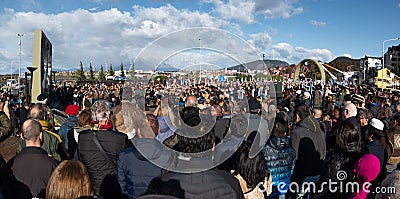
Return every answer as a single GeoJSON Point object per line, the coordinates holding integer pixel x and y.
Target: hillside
{"type": "Point", "coordinates": [341, 63]}
{"type": "Point", "coordinates": [259, 65]}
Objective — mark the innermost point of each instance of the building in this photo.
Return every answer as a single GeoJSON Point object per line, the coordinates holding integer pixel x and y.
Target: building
{"type": "Point", "coordinates": [392, 56]}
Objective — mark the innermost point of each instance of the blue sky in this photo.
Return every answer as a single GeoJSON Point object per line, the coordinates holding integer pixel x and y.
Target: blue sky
{"type": "Point", "coordinates": [104, 32]}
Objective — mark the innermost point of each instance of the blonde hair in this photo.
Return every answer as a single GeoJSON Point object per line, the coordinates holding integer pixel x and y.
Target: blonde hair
{"type": "Point", "coordinates": [70, 180]}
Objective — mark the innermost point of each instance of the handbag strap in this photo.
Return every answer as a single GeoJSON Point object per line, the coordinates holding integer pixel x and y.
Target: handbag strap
{"type": "Point", "coordinates": [96, 141]}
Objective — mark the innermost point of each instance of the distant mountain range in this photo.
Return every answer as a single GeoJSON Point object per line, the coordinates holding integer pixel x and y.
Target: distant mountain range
{"type": "Point", "coordinates": [259, 65]}
{"type": "Point", "coordinates": [338, 62]}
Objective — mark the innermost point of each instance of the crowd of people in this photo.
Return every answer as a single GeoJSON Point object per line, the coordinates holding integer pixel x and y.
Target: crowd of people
{"type": "Point", "coordinates": [185, 139]}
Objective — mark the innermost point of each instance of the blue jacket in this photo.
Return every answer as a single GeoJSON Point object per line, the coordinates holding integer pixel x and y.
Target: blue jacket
{"type": "Point", "coordinates": [280, 158]}
{"type": "Point", "coordinates": [135, 171]}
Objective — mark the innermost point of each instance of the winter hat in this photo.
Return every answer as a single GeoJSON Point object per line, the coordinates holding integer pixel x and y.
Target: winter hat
{"type": "Point", "coordinates": [366, 169]}
{"type": "Point", "coordinates": [377, 124]}
{"type": "Point", "coordinates": [72, 110]}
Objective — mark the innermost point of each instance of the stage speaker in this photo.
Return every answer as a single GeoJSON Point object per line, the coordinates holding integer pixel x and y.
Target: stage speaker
{"type": "Point", "coordinates": [278, 89]}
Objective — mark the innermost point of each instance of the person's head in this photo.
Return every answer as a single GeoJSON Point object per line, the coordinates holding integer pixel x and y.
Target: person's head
{"type": "Point", "coordinates": [191, 101]}
{"type": "Point", "coordinates": [375, 130]}
{"type": "Point", "coordinates": [84, 118]}
{"type": "Point", "coordinates": [216, 111]}
{"type": "Point", "coordinates": [349, 110]}
{"type": "Point", "coordinates": [32, 133]}
{"type": "Point", "coordinates": [131, 119]}
{"type": "Point", "coordinates": [398, 107]}
{"type": "Point", "coordinates": [367, 168]}
{"type": "Point", "coordinates": [153, 122]}
{"type": "Point", "coordinates": [280, 128]}
{"type": "Point", "coordinates": [300, 113]}
{"type": "Point", "coordinates": [191, 116]}
{"type": "Point", "coordinates": [348, 137]}
{"type": "Point", "coordinates": [38, 112]}
{"type": "Point", "coordinates": [203, 140]}
{"type": "Point", "coordinates": [72, 110]}
{"type": "Point", "coordinates": [226, 107]}
{"type": "Point", "coordinates": [317, 113]}
{"type": "Point", "coordinates": [254, 106]}
{"type": "Point", "coordinates": [238, 126]}
{"type": "Point", "coordinates": [392, 180]}
{"type": "Point", "coordinates": [364, 116]}
{"type": "Point", "coordinates": [252, 170]}
{"type": "Point", "coordinates": [100, 110]}
{"type": "Point", "coordinates": [70, 180]}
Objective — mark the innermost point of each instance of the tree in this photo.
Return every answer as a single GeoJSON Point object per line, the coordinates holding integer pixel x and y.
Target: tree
{"type": "Point", "coordinates": [91, 73]}
{"type": "Point", "coordinates": [80, 74]}
{"type": "Point", "coordinates": [132, 70]}
{"type": "Point", "coordinates": [102, 76]}
{"type": "Point", "coordinates": [122, 70]}
{"type": "Point", "coordinates": [111, 71]}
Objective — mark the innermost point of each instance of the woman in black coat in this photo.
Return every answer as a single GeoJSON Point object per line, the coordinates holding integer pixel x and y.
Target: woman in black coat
{"type": "Point", "coordinates": [348, 149]}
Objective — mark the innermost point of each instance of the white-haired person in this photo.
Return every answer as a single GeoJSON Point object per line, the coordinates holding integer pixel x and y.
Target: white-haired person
{"type": "Point", "coordinates": [98, 149]}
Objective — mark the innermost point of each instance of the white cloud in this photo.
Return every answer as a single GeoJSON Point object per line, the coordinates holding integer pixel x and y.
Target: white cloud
{"type": "Point", "coordinates": [291, 54]}
{"type": "Point", "coordinates": [260, 41]}
{"type": "Point", "coordinates": [237, 10]}
{"type": "Point", "coordinates": [317, 23]}
{"type": "Point", "coordinates": [347, 55]}
{"type": "Point", "coordinates": [103, 37]}
{"type": "Point", "coordinates": [245, 11]}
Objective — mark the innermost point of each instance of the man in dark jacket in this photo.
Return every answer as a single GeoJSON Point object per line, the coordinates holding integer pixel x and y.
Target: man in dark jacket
{"type": "Point", "coordinates": [30, 170]}
{"type": "Point", "coordinates": [99, 149]}
{"type": "Point", "coordinates": [135, 169]}
{"type": "Point", "coordinates": [308, 141]}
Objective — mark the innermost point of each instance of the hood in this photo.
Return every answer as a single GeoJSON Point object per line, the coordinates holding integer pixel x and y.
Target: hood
{"type": "Point", "coordinates": [279, 143]}
{"type": "Point", "coordinates": [151, 149]}
{"type": "Point", "coordinates": [71, 121]}
{"type": "Point", "coordinates": [45, 125]}
{"type": "Point", "coordinates": [367, 168]}
{"type": "Point", "coordinates": [309, 123]}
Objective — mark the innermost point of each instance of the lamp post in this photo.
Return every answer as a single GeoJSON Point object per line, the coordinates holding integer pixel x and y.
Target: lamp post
{"type": "Point", "coordinates": [383, 55]}
{"type": "Point", "coordinates": [20, 35]}
{"type": "Point", "coordinates": [31, 69]}
{"type": "Point", "coordinates": [200, 59]}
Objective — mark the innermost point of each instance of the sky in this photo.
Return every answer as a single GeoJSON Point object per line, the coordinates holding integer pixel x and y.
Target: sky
{"type": "Point", "coordinates": [193, 34]}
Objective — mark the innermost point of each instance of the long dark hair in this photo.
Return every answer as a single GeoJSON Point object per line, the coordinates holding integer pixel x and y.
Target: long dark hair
{"type": "Point", "coordinates": [348, 137]}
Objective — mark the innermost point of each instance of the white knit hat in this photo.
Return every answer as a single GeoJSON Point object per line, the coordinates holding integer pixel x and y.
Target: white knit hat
{"type": "Point", "coordinates": [377, 124]}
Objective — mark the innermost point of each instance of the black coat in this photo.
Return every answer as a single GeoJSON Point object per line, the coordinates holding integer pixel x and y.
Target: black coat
{"type": "Point", "coordinates": [135, 170]}
{"type": "Point", "coordinates": [98, 166]}
{"type": "Point", "coordinates": [338, 160]}
{"type": "Point", "coordinates": [213, 183]}
{"type": "Point", "coordinates": [28, 173]}
{"type": "Point", "coordinates": [308, 141]}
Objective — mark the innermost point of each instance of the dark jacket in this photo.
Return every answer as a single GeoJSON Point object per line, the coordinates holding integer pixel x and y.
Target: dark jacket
{"type": "Point", "coordinates": [280, 158]}
{"type": "Point", "coordinates": [338, 160]}
{"type": "Point", "coordinates": [27, 183]}
{"type": "Point", "coordinates": [308, 141]}
{"type": "Point", "coordinates": [377, 149]}
{"type": "Point", "coordinates": [221, 128]}
{"type": "Point", "coordinates": [135, 171]}
{"type": "Point", "coordinates": [212, 183]}
{"type": "Point", "coordinates": [5, 126]}
{"type": "Point", "coordinates": [97, 165]}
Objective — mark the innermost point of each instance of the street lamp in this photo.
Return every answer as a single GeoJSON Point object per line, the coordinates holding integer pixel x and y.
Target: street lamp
{"type": "Point", "coordinates": [20, 35]}
{"type": "Point", "coordinates": [383, 56]}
